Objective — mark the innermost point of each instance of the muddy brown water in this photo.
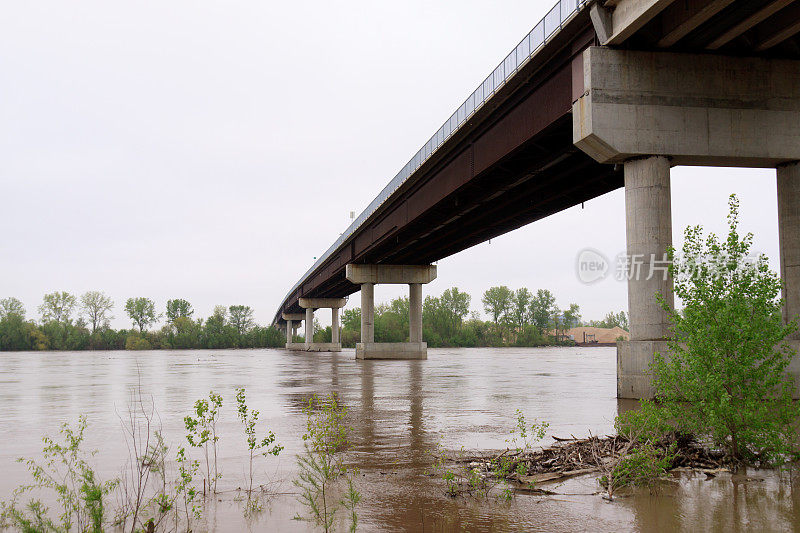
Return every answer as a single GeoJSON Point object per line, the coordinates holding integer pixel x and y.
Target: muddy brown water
{"type": "Point", "coordinates": [400, 411]}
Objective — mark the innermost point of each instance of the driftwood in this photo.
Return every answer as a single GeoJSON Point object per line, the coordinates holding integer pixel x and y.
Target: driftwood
{"type": "Point", "coordinates": [570, 457]}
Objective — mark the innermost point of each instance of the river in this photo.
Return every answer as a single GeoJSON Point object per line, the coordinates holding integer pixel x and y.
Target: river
{"type": "Point", "coordinates": [399, 412]}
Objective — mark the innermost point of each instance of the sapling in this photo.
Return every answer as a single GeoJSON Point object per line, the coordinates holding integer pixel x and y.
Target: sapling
{"type": "Point", "coordinates": [321, 466]}
{"type": "Point", "coordinates": [264, 447]}
{"type": "Point", "coordinates": [66, 472]}
{"type": "Point", "coordinates": [202, 433]}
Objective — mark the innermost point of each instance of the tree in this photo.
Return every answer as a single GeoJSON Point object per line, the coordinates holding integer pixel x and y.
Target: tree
{"type": "Point", "coordinates": [521, 302]}
{"type": "Point", "coordinates": [241, 318]}
{"type": "Point", "coordinates": [218, 333]}
{"type": "Point", "coordinates": [541, 309]}
{"type": "Point", "coordinates": [57, 307]}
{"type": "Point", "coordinates": [572, 316]}
{"type": "Point", "coordinates": [442, 317]}
{"type": "Point", "coordinates": [97, 307]}
{"type": "Point", "coordinates": [178, 308]}
{"type": "Point", "coordinates": [456, 307]}
{"type": "Point", "coordinates": [497, 302]}
{"type": "Point", "coordinates": [142, 311]}
{"type": "Point", "coordinates": [11, 306]}
{"type": "Point", "coordinates": [351, 319]}
{"type": "Point", "coordinates": [612, 320]}
{"type": "Point", "coordinates": [725, 377]}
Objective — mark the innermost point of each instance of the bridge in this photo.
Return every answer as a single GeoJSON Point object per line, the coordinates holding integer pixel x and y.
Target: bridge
{"type": "Point", "coordinates": [601, 94]}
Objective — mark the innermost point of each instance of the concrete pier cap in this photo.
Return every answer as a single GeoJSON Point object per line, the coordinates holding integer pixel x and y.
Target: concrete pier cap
{"type": "Point", "coordinates": [322, 303]}
{"type": "Point", "coordinates": [367, 276]}
{"type": "Point", "coordinates": [696, 109]}
{"type": "Point", "coordinates": [390, 274]}
{"type": "Point", "coordinates": [294, 317]}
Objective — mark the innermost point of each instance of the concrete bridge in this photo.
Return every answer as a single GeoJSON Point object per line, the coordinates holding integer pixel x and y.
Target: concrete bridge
{"type": "Point", "coordinates": [599, 95]}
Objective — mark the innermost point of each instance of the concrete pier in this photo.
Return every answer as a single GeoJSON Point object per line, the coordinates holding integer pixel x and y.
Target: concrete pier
{"type": "Point", "coordinates": [289, 330]}
{"type": "Point", "coordinates": [789, 241]}
{"type": "Point", "coordinates": [415, 312]}
{"type": "Point", "coordinates": [648, 226]}
{"type": "Point", "coordinates": [789, 238]}
{"type": "Point", "coordinates": [367, 312]}
{"type": "Point", "coordinates": [649, 110]}
{"type": "Point", "coordinates": [309, 327]}
{"type": "Point", "coordinates": [335, 326]}
{"type": "Point", "coordinates": [292, 320]}
{"type": "Point", "coordinates": [412, 275]}
{"type": "Point", "coordinates": [334, 304]}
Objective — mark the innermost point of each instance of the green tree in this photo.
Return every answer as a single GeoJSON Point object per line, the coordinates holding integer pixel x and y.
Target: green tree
{"type": "Point", "coordinates": [17, 334]}
{"type": "Point", "coordinates": [572, 316]}
{"type": "Point", "coordinates": [726, 373]}
{"type": "Point", "coordinates": [497, 302]}
{"type": "Point", "coordinates": [521, 302]}
{"type": "Point", "coordinates": [218, 333]}
{"type": "Point", "coordinates": [241, 318]}
{"type": "Point", "coordinates": [612, 320]}
{"type": "Point", "coordinates": [178, 308]}
{"type": "Point", "coordinates": [57, 307]}
{"type": "Point", "coordinates": [183, 332]}
{"type": "Point", "coordinates": [351, 319]}
{"type": "Point", "coordinates": [97, 308]}
{"type": "Point", "coordinates": [142, 311]}
{"type": "Point", "coordinates": [542, 309]}
{"type": "Point", "coordinates": [11, 306]}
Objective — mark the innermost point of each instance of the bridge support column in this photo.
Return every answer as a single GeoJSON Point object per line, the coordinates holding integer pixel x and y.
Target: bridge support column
{"type": "Point", "coordinates": [334, 304]}
{"type": "Point", "coordinates": [414, 276]}
{"type": "Point", "coordinates": [789, 239]}
{"type": "Point", "coordinates": [292, 319]}
{"type": "Point", "coordinates": [640, 108]}
{"type": "Point", "coordinates": [648, 225]}
{"type": "Point", "coordinates": [415, 312]}
{"type": "Point", "coordinates": [367, 312]}
{"type": "Point", "coordinates": [309, 327]}
{"type": "Point", "coordinates": [335, 326]}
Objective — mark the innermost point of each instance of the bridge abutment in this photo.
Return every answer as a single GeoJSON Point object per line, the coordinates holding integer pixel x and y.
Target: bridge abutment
{"type": "Point", "coordinates": [651, 110]}
{"type": "Point", "coordinates": [367, 276]}
{"type": "Point", "coordinates": [334, 304]}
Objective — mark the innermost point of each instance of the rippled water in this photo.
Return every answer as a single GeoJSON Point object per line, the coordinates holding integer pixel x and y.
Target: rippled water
{"type": "Point", "coordinates": [400, 411]}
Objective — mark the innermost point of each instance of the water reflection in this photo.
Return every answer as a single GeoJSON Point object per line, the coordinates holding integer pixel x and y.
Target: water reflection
{"type": "Point", "coordinates": [399, 411]}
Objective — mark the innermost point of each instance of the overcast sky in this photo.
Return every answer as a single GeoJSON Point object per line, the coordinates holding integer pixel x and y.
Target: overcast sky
{"type": "Point", "coordinates": [210, 150]}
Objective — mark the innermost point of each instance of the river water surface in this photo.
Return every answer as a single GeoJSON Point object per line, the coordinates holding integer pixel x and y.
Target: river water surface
{"type": "Point", "coordinates": [399, 412]}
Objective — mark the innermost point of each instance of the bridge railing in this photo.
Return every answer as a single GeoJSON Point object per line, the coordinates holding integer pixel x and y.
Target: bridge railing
{"type": "Point", "coordinates": [552, 22]}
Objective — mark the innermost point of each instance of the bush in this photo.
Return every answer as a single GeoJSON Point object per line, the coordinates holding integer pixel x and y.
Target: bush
{"type": "Point", "coordinates": [725, 378]}
{"type": "Point", "coordinates": [135, 342]}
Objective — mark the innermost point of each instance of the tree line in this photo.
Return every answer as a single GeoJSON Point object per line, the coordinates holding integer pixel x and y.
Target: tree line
{"type": "Point", "coordinates": [518, 317]}
{"type": "Point", "coordinates": [68, 322]}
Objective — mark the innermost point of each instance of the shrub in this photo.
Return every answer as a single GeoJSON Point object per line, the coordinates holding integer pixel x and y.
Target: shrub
{"type": "Point", "coordinates": [726, 377]}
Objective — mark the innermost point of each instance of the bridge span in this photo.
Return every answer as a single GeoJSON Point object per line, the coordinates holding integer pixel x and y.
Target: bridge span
{"type": "Point", "coordinates": [601, 94]}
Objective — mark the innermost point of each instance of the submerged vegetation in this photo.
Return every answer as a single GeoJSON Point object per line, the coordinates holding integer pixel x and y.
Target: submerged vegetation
{"type": "Point", "coordinates": [153, 493]}
{"type": "Point", "coordinates": [326, 484]}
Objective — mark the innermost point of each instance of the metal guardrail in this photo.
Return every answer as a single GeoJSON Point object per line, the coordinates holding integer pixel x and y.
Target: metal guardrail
{"type": "Point", "coordinates": [552, 22]}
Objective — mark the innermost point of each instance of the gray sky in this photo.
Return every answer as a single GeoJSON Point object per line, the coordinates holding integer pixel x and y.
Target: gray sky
{"type": "Point", "coordinates": [209, 150]}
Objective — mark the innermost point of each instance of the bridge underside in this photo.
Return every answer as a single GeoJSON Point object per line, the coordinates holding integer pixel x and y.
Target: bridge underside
{"type": "Point", "coordinates": [546, 175]}
{"type": "Point", "coordinates": [730, 27]}
{"type": "Point", "coordinates": [514, 162]}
